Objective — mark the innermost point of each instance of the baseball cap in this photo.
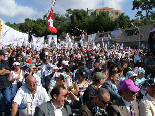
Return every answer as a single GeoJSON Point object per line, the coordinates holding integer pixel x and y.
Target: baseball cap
{"type": "Point", "coordinates": [140, 70]}
{"type": "Point", "coordinates": [130, 74]}
{"type": "Point", "coordinates": [83, 73]}
{"type": "Point", "coordinates": [49, 65]}
{"type": "Point", "coordinates": [129, 84]}
{"type": "Point", "coordinates": [99, 75]}
{"type": "Point", "coordinates": [29, 61]}
{"type": "Point", "coordinates": [55, 67]}
{"type": "Point", "coordinates": [151, 81]}
{"type": "Point", "coordinates": [64, 62]}
{"type": "Point", "coordinates": [33, 65]}
{"type": "Point", "coordinates": [16, 63]}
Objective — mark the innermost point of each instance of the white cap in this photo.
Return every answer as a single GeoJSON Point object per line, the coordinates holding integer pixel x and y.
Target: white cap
{"type": "Point", "coordinates": [55, 67]}
{"type": "Point", "coordinates": [64, 62]}
{"type": "Point", "coordinates": [16, 63]}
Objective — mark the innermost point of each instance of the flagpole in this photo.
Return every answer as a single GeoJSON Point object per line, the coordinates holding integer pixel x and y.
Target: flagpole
{"type": "Point", "coordinates": [139, 33]}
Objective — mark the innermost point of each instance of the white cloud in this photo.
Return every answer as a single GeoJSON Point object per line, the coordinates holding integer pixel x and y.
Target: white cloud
{"type": "Point", "coordinates": [116, 4]}
{"type": "Point", "coordinates": [62, 5]}
{"type": "Point", "coordinates": [10, 8]}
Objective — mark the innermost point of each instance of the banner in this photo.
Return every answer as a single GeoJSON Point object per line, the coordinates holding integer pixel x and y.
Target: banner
{"type": "Point", "coordinates": [37, 41]}
{"type": "Point", "coordinates": [10, 41]}
{"type": "Point", "coordinates": [91, 37]}
{"type": "Point", "coordinates": [52, 40]}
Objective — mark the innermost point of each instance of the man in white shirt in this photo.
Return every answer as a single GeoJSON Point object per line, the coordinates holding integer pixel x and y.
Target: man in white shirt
{"type": "Point", "coordinates": [147, 104]}
{"type": "Point", "coordinates": [29, 93]}
{"type": "Point", "coordinates": [55, 107]}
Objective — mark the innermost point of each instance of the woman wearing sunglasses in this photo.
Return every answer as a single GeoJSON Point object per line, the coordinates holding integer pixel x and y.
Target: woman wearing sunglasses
{"type": "Point", "coordinates": [15, 78]}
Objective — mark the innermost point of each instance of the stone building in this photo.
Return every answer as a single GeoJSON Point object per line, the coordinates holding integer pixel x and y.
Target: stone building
{"type": "Point", "coordinates": [113, 13]}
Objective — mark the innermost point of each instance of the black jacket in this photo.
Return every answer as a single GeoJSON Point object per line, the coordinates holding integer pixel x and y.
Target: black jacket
{"type": "Point", "coordinates": [4, 81]}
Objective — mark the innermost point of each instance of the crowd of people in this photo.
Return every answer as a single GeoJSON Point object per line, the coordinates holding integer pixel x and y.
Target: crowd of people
{"type": "Point", "coordinates": [77, 81]}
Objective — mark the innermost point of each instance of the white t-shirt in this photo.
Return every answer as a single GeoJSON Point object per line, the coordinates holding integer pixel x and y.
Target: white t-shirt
{"type": "Point", "coordinates": [14, 84]}
{"type": "Point", "coordinates": [24, 95]}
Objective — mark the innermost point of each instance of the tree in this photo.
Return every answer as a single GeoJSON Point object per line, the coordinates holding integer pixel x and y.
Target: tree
{"type": "Point", "coordinates": [103, 23]}
{"type": "Point", "coordinates": [139, 14]}
{"type": "Point", "coordinates": [122, 21]}
{"type": "Point", "coordinates": [79, 21]}
{"type": "Point", "coordinates": [12, 26]}
{"type": "Point", "coordinates": [144, 5]}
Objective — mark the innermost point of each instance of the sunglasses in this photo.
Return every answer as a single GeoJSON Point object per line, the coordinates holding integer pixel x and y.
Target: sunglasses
{"type": "Point", "coordinates": [133, 92]}
{"type": "Point", "coordinates": [103, 101]}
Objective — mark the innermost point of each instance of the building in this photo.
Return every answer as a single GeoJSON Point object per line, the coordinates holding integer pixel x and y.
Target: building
{"type": "Point", "coordinates": [113, 13]}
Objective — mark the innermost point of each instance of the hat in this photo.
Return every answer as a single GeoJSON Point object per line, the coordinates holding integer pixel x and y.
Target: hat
{"type": "Point", "coordinates": [37, 57]}
{"type": "Point", "coordinates": [33, 65]}
{"type": "Point", "coordinates": [16, 63]}
{"type": "Point", "coordinates": [151, 81]}
{"type": "Point", "coordinates": [99, 75]}
{"type": "Point", "coordinates": [2, 52]}
{"type": "Point", "coordinates": [29, 61]}
{"type": "Point", "coordinates": [83, 73]}
{"type": "Point", "coordinates": [129, 84]}
{"type": "Point", "coordinates": [55, 67]}
{"type": "Point", "coordinates": [49, 65]}
{"type": "Point", "coordinates": [130, 74]}
{"type": "Point", "coordinates": [64, 62]}
{"type": "Point", "coordinates": [140, 70]}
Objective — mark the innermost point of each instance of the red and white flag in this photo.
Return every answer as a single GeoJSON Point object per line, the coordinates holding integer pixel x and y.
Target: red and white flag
{"type": "Point", "coordinates": [140, 34]}
{"type": "Point", "coordinates": [53, 3]}
{"type": "Point", "coordinates": [50, 19]}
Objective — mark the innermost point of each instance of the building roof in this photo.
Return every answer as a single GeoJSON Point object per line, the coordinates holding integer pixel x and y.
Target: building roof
{"type": "Point", "coordinates": [105, 8]}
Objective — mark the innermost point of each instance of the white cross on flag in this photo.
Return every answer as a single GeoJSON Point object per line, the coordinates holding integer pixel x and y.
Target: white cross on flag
{"type": "Point", "coordinates": [50, 19]}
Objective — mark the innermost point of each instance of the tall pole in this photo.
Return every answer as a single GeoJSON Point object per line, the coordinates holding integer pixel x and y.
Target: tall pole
{"type": "Point", "coordinates": [139, 38]}
{"type": "Point", "coordinates": [139, 33]}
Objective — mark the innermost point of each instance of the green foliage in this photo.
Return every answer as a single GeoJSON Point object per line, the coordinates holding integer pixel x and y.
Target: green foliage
{"type": "Point", "coordinates": [79, 18]}
{"type": "Point", "coordinates": [103, 23]}
{"type": "Point", "coordinates": [12, 26]}
{"type": "Point", "coordinates": [123, 23]}
{"type": "Point", "coordinates": [144, 5]}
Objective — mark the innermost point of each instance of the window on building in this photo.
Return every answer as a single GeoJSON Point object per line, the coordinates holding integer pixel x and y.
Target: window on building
{"type": "Point", "coordinates": [108, 12]}
{"type": "Point", "coordinates": [112, 19]}
{"type": "Point", "coordinates": [116, 13]}
{"type": "Point", "coordinates": [115, 18]}
{"type": "Point", "coordinates": [112, 12]}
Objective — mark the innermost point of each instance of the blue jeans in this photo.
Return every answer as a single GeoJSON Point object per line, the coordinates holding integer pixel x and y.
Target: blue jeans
{"type": "Point", "coordinates": [7, 101]}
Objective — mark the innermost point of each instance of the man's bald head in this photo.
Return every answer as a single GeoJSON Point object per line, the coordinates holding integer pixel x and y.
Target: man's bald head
{"type": "Point", "coordinates": [29, 78]}
{"type": "Point", "coordinates": [31, 82]}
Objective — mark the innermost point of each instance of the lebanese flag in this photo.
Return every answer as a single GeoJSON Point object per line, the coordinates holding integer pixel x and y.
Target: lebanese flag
{"type": "Point", "coordinates": [50, 19]}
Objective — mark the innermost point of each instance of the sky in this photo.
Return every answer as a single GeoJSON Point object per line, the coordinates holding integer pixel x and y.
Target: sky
{"type": "Point", "coordinates": [15, 11]}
